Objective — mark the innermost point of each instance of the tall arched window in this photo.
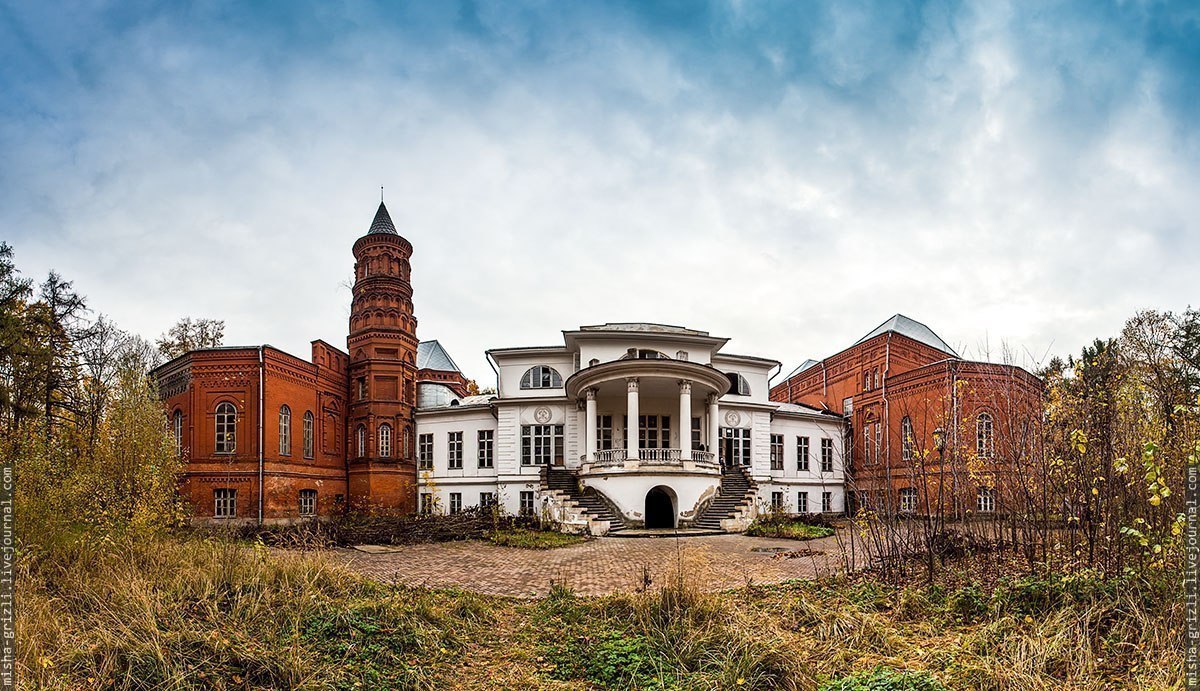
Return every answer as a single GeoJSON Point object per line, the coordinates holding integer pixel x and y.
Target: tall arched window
{"type": "Point", "coordinates": [985, 445]}
{"type": "Point", "coordinates": [406, 450]}
{"type": "Point", "coordinates": [541, 377]}
{"type": "Point", "coordinates": [177, 432]}
{"type": "Point", "coordinates": [361, 438]}
{"type": "Point", "coordinates": [226, 428]}
{"type": "Point", "coordinates": [308, 434]}
{"type": "Point", "coordinates": [285, 431]}
{"type": "Point", "coordinates": [906, 437]}
{"type": "Point", "coordinates": [738, 385]}
{"type": "Point", "coordinates": [385, 440]}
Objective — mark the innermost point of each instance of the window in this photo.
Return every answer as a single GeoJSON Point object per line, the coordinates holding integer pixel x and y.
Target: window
{"type": "Point", "coordinates": [826, 502]}
{"type": "Point", "coordinates": [777, 454]}
{"type": "Point", "coordinates": [406, 450]}
{"type": "Point", "coordinates": [487, 447]}
{"type": "Point", "coordinates": [654, 431]}
{"type": "Point", "coordinates": [541, 444]}
{"type": "Point", "coordinates": [985, 500]}
{"type": "Point", "coordinates": [454, 452]}
{"type": "Point", "coordinates": [738, 385]}
{"type": "Point", "coordinates": [455, 502]}
{"type": "Point", "coordinates": [541, 377]}
{"type": "Point", "coordinates": [802, 453]}
{"type": "Point", "coordinates": [802, 502]}
{"type": "Point", "coordinates": [651, 355]}
{"type": "Point", "coordinates": [878, 441]}
{"type": "Point", "coordinates": [425, 451]}
{"type": "Point", "coordinates": [906, 438]}
{"type": "Point", "coordinates": [848, 406]}
{"type": "Point", "coordinates": [285, 431]}
{"type": "Point", "coordinates": [604, 432]}
{"type": "Point", "coordinates": [867, 444]}
{"type": "Point", "coordinates": [362, 388]}
{"type": "Point", "coordinates": [681, 355]}
{"type": "Point", "coordinates": [826, 455]}
{"type": "Point", "coordinates": [177, 432]}
{"type": "Point", "coordinates": [908, 500]}
{"type": "Point", "coordinates": [877, 382]}
{"type": "Point", "coordinates": [487, 500]}
{"type": "Point", "coordinates": [866, 381]}
{"type": "Point", "coordinates": [776, 501]}
{"type": "Point", "coordinates": [226, 428]}
{"type": "Point", "coordinates": [360, 436]}
{"type": "Point", "coordinates": [426, 503]}
{"type": "Point", "coordinates": [526, 506]}
{"type": "Point", "coordinates": [737, 443]}
{"type": "Point", "coordinates": [985, 445]}
{"type": "Point", "coordinates": [308, 502]}
{"type": "Point", "coordinates": [385, 440]}
{"type": "Point", "coordinates": [307, 433]}
{"type": "Point", "coordinates": [225, 503]}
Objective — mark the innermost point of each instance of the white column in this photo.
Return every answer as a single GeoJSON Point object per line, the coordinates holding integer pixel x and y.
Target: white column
{"type": "Point", "coordinates": [590, 440]}
{"type": "Point", "coordinates": [631, 415]}
{"type": "Point", "coordinates": [685, 420]}
{"type": "Point", "coordinates": [713, 428]}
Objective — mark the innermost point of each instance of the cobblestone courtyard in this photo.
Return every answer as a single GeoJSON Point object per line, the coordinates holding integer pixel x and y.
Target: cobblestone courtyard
{"type": "Point", "coordinates": [598, 567]}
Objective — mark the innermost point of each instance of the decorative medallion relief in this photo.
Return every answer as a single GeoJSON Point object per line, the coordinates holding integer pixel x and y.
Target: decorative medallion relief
{"type": "Point", "coordinates": [733, 418]}
{"type": "Point", "coordinates": [542, 415]}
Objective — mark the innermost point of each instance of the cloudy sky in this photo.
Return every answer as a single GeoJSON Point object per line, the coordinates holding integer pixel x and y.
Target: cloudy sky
{"type": "Point", "coordinates": [788, 174]}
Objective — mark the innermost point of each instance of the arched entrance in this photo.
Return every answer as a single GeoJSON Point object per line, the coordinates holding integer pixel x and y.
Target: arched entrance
{"type": "Point", "coordinates": [660, 508]}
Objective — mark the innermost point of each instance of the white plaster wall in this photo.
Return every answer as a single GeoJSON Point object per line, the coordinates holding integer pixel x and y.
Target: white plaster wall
{"type": "Point", "coordinates": [468, 421]}
{"type": "Point", "coordinates": [442, 488]}
{"type": "Point", "coordinates": [791, 428]}
{"type": "Point", "coordinates": [628, 492]}
{"type": "Point", "coordinates": [791, 489]}
{"type": "Point", "coordinates": [513, 367]}
{"type": "Point", "coordinates": [608, 350]}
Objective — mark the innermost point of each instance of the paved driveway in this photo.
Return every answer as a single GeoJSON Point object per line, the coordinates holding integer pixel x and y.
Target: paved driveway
{"type": "Point", "coordinates": [601, 566]}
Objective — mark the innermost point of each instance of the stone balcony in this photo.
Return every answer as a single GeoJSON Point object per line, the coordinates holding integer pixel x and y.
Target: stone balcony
{"type": "Point", "coordinates": [650, 460]}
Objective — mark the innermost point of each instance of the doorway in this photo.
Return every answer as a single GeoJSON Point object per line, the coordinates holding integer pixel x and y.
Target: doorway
{"type": "Point", "coordinates": [660, 508]}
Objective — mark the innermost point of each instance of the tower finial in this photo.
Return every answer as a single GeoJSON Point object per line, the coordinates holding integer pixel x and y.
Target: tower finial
{"type": "Point", "coordinates": [381, 194]}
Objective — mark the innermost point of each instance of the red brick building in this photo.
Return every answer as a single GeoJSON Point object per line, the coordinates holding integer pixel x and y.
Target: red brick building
{"type": "Point", "coordinates": [271, 437]}
{"type": "Point", "coordinates": [929, 431]}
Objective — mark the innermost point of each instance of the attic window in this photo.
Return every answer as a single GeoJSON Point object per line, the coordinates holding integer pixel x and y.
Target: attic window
{"type": "Point", "coordinates": [738, 385]}
{"type": "Point", "coordinates": [541, 377]}
{"type": "Point", "coordinates": [682, 356]}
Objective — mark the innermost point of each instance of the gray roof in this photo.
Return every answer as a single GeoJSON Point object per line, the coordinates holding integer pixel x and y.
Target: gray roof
{"type": "Point", "coordinates": [644, 327]}
{"type": "Point", "coordinates": [913, 329]}
{"type": "Point", "coordinates": [431, 355]}
{"type": "Point", "coordinates": [382, 222]}
{"type": "Point", "coordinates": [803, 366]}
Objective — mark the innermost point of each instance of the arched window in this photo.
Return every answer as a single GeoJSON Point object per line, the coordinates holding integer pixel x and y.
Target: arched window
{"type": "Point", "coordinates": [177, 432]}
{"type": "Point", "coordinates": [906, 437]}
{"type": "Point", "coordinates": [867, 380]}
{"type": "Point", "coordinates": [285, 431]}
{"type": "Point", "coordinates": [361, 438]}
{"type": "Point", "coordinates": [985, 446]}
{"type": "Point", "coordinates": [406, 450]}
{"type": "Point", "coordinates": [385, 440]}
{"type": "Point", "coordinates": [308, 434]}
{"type": "Point", "coordinates": [738, 385]}
{"type": "Point", "coordinates": [541, 377]}
{"type": "Point", "coordinates": [226, 428]}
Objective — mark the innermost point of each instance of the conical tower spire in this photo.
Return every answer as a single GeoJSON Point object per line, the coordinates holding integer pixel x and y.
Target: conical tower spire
{"type": "Point", "coordinates": [383, 222]}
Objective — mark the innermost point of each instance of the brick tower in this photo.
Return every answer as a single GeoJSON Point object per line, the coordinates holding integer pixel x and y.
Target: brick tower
{"type": "Point", "coordinates": [383, 346]}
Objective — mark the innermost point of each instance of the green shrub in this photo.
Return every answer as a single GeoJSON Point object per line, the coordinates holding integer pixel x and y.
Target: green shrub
{"type": "Point", "coordinates": [885, 679]}
{"type": "Point", "coordinates": [533, 539]}
{"type": "Point", "coordinates": [788, 528]}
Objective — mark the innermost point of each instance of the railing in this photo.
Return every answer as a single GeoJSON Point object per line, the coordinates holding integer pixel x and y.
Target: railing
{"type": "Point", "coordinates": [609, 457]}
{"type": "Point", "coordinates": [660, 456]}
{"type": "Point", "coordinates": [618, 458]}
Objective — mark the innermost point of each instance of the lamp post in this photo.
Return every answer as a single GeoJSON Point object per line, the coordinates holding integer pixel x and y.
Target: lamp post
{"type": "Point", "coordinates": [939, 442]}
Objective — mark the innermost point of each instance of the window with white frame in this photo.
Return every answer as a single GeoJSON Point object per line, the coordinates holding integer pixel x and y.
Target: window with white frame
{"type": "Point", "coordinates": [541, 377]}
{"type": "Point", "coordinates": [541, 444]}
{"type": "Point", "coordinates": [455, 502]}
{"type": "Point", "coordinates": [604, 432]}
{"type": "Point", "coordinates": [426, 503]}
{"type": "Point", "coordinates": [177, 432]}
{"type": "Point", "coordinates": [802, 453]}
{"type": "Point", "coordinates": [307, 433]}
{"type": "Point", "coordinates": [697, 437]}
{"type": "Point", "coordinates": [360, 437]}
{"type": "Point", "coordinates": [654, 431]}
{"type": "Point", "coordinates": [385, 440]}
{"type": "Point", "coordinates": [776, 501]}
{"type": "Point", "coordinates": [425, 451]}
{"type": "Point", "coordinates": [285, 431]}
{"type": "Point", "coordinates": [308, 502]}
{"type": "Point", "coordinates": [826, 502]}
{"type": "Point", "coordinates": [906, 438]}
{"type": "Point", "coordinates": [454, 451]}
{"type": "Point", "coordinates": [526, 503]}
{"type": "Point", "coordinates": [224, 503]}
{"type": "Point", "coordinates": [802, 502]}
{"type": "Point", "coordinates": [487, 500]}
{"type": "Point", "coordinates": [985, 445]}
{"type": "Point", "coordinates": [738, 385]}
{"type": "Point", "coordinates": [985, 499]}
{"type": "Point", "coordinates": [826, 455]}
{"type": "Point", "coordinates": [867, 380]}
{"type": "Point", "coordinates": [908, 500]}
{"type": "Point", "coordinates": [487, 448]}
{"type": "Point", "coordinates": [737, 443]}
{"type": "Point", "coordinates": [867, 444]}
{"type": "Point", "coordinates": [777, 454]}
{"type": "Point", "coordinates": [878, 441]}
{"type": "Point", "coordinates": [362, 388]}
{"type": "Point", "coordinates": [226, 428]}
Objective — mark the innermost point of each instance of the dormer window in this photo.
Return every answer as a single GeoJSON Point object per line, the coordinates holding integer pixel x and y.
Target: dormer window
{"type": "Point", "coordinates": [541, 377]}
{"type": "Point", "coordinates": [651, 355]}
{"type": "Point", "coordinates": [738, 385]}
{"type": "Point", "coordinates": [682, 356]}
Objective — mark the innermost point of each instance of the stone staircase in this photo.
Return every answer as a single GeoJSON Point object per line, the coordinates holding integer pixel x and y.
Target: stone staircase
{"type": "Point", "coordinates": [733, 507]}
{"type": "Point", "coordinates": [578, 508]}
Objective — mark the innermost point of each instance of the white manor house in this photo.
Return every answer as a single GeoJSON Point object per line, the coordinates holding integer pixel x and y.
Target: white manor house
{"type": "Point", "coordinates": [626, 425]}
